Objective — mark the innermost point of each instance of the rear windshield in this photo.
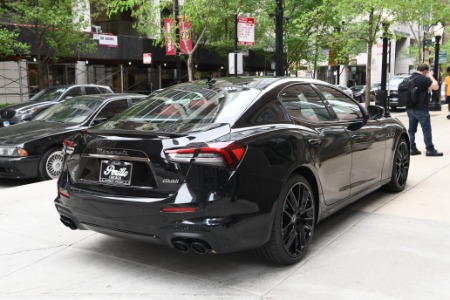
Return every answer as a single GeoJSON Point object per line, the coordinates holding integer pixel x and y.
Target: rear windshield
{"type": "Point", "coordinates": [191, 103]}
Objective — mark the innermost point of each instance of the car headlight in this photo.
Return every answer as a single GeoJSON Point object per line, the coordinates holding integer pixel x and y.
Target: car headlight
{"type": "Point", "coordinates": [13, 151]}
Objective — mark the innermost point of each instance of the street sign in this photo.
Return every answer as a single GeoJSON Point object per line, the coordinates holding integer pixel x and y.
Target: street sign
{"type": "Point", "coordinates": [246, 31]}
{"type": "Point", "coordinates": [108, 40]}
{"type": "Point", "coordinates": [442, 57]}
{"type": "Point", "coordinates": [147, 58]}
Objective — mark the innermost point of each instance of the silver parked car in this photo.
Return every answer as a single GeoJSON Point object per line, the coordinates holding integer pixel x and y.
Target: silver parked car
{"type": "Point", "coordinates": [26, 111]}
{"type": "Point", "coordinates": [346, 90]}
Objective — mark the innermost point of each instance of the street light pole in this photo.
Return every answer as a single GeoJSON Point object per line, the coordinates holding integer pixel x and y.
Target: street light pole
{"type": "Point", "coordinates": [235, 45]}
{"type": "Point", "coordinates": [435, 104]}
{"type": "Point", "coordinates": [279, 39]}
{"type": "Point", "coordinates": [383, 91]}
{"type": "Point", "coordinates": [177, 34]}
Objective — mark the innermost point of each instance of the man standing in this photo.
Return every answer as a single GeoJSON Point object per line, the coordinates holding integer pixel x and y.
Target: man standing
{"type": "Point", "coordinates": [418, 113]}
{"type": "Point", "coordinates": [447, 91]}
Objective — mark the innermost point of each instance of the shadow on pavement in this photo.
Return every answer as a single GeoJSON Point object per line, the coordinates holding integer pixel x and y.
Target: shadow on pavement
{"type": "Point", "coordinates": [6, 183]}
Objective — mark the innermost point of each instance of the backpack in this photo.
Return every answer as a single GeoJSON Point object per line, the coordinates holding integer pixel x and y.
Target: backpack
{"type": "Point", "coordinates": [408, 92]}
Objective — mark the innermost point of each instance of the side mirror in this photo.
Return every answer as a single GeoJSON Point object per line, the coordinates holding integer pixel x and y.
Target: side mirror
{"type": "Point", "coordinates": [375, 112]}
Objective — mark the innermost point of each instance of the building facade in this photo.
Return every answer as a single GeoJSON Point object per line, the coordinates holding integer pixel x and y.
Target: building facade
{"type": "Point", "coordinates": [118, 62]}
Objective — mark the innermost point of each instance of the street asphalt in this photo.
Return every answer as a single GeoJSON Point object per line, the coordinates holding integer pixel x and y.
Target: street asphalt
{"type": "Point", "coordinates": [385, 246]}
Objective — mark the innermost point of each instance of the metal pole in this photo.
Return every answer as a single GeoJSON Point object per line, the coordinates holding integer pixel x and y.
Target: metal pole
{"type": "Point", "coordinates": [235, 45]}
{"type": "Point", "coordinates": [435, 95]}
{"type": "Point", "coordinates": [177, 34]}
{"type": "Point", "coordinates": [383, 92]}
{"type": "Point", "coordinates": [19, 64]}
{"type": "Point", "coordinates": [279, 39]}
{"type": "Point", "coordinates": [338, 67]}
{"type": "Point", "coordinates": [121, 78]}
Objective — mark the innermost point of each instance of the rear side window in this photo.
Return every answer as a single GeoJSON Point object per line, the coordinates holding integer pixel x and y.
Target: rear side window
{"type": "Point", "coordinates": [135, 100]}
{"type": "Point", "coordinates": [104, 90]}
{"type": "Point", "coordinates": [74, 92]}
{"type": "Point", "coordinates": [113, 108]}
{"type": "Point", "coordinates": [303, 103]}
{"type": "Point", "coordinates": [91, 90]}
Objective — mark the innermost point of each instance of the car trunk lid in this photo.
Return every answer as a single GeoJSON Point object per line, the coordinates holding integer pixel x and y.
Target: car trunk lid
{"type": "Point", "coordinates": [133, 162]}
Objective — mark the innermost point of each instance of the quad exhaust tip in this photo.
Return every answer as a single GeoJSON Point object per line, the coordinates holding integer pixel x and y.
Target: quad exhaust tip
{"type": "Point", "coordinates": [186, 245]}
{"type": "Point", "coordinates": [68, 222]}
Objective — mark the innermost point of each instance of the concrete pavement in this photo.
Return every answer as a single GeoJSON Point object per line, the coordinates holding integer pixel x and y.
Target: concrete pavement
{"type": "Point", "coordinates": [385, 246]}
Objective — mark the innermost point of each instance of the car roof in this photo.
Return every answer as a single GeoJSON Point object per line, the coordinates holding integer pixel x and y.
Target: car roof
{"type": "Point", "coordinates": [77, 84]}
{"type": "Point", "coordinates": [255, 82]}
{"type": "Point", "coordinates": [111, 96]}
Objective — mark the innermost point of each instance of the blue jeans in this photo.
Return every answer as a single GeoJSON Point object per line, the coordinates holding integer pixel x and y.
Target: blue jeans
{"type": "Point", "coordinates": [415, 117]}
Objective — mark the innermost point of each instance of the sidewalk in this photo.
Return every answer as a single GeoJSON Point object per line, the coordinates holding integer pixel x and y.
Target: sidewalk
{"type": "Point", "coordinates": [385, 246]}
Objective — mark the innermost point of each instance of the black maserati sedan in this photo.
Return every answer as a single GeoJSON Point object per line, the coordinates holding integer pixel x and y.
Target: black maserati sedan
{"type": "Point", "coordinates": [229, 165]}
{"type": "Point", "coordinates": [33, 149]}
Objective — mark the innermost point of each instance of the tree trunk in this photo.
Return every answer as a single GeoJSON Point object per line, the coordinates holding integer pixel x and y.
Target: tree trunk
{"type": "Point", "coordinates": [369, 61]}
{"type": "Point", "coordinates": [40, 63]}
{"type": "Point", "coordinates": [190, 68]}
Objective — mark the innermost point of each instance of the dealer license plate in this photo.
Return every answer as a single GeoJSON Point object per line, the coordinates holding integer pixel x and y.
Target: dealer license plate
{"type": "Point", "coordinates": [115, 172]}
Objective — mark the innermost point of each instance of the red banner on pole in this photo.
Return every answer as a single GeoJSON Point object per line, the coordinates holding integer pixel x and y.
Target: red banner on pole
{"type": "Point", "coordinates": [185, 36]}
{"type": "Point", "coordinates": [168, 29]}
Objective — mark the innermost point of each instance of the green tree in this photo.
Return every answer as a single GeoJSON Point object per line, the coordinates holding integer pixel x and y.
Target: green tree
{"type": "Point", "coordinates": [56, 28]}
{"type": "Point", "coordinates": [148, 20]}
{"type": "Point", "coordinates": [419, 16]}
{"type": "Point", "coordinates": [220, 35]}
{"type": "Point", "coordinates": [9, 40]}
{"type": "Point", "coordinates": [10, 44]}
{"type": "Point", "coordinates": [363, 19]}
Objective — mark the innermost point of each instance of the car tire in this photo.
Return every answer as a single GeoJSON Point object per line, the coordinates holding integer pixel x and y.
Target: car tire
{"type": "Point", "coordinates": [400, 167]}
{"type": "Point", "coordinates": [50, 165]}
{"type": "Point", "coordinates": [293, 225]}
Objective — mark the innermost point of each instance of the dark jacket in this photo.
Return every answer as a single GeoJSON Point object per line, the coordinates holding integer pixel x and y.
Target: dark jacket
{"type": "Point", "coordinates": [423, 84]}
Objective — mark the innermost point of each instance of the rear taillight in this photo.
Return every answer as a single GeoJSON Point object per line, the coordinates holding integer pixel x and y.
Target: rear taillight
{"type": "Point", "coordinates": [68, 146]}
{"type": "Point", "coordinates": [218, 154]}
{"type": "Point", "coordinates": [63, 192]}
{"type": "Point", "coordinates": [178, 209]}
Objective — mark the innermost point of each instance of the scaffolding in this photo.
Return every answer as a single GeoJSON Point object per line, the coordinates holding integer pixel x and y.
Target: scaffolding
{"type": "Point", "coordinates": [19, 79]}
{"type": "Point", "coordinates": [14, 82]}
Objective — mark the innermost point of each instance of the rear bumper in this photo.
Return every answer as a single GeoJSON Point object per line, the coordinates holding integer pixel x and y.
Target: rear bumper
{"type": "Point", "coordinates": [22, 167]}
{"type": "Point", "coordinates": [224, 225]}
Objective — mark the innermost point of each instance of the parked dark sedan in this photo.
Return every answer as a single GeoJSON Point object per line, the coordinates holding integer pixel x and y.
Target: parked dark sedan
{"type": "Point", "coordinates": [33, 149]}
{"type": "Point", "coordinates": [235, 164]}
{"type": "Point", "coordinates": [358, 92]}
{"type": "Point", "coordinates": [25, 111]}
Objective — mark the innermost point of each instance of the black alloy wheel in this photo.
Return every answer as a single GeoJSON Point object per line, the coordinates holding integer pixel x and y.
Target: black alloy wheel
{"type": "Point", "coordinates": [400, 167]}
{"type": "Point", "coordinates": [294, 223]}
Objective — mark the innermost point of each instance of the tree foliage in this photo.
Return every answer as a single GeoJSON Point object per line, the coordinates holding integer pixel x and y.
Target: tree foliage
{"type": "Point", "coordinates": [148, 20]}
{"type": "Point", "coordinates": [420, 16]}
{"type": "Point", "coordinates": [56, 30]}
{"type": "Point", "coordinates": [11, 46]}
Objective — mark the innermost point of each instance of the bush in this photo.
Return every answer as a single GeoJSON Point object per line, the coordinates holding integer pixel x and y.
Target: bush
{"type": "Point", "coordinates": [3, 105]}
